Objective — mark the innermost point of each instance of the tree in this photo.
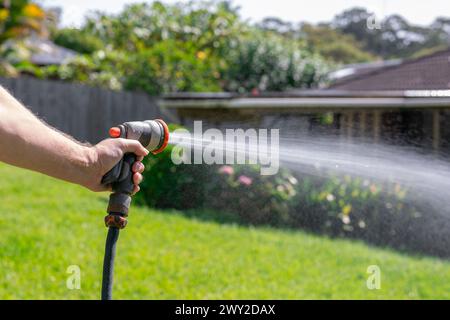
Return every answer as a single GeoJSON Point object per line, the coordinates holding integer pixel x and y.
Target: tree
{"type": "Point", "coordinates": [266, 62]}
{"type": "Point", "coordinates": [334, 45]}
{"type": "Point", "coordinates": [396, 37]}
{"type": "Point", "coordinates": [208, 23]}
{"type": "Point", "coordinates": [354, 22]}
{"type": "Point", "coordinates": [18, 19]}
{"type": "Point", "coordinates": [277, 25]}
{"type": "Point", "coordinates": [323, 39]}
{"type": "Point", "coordinates": [194, 46]}
{"type": "Point", "coordinates": [439, 36]}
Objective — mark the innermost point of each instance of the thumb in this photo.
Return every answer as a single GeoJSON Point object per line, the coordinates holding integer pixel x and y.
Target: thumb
{"type": "Point", "coordinates": [133, 146]}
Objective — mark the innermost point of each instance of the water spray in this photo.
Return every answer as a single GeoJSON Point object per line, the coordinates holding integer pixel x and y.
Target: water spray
{"type": "Point", "coordinates": [154, 136]}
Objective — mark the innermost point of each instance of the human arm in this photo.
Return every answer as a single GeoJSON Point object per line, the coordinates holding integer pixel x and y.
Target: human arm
{"type": "Point", "coordinates": [27, 142]}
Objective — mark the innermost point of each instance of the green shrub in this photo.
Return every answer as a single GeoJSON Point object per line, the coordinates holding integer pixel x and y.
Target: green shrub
{"type": "Point", "coordinates": [102, 68]}
{"type": "Point", "coordinates": [77, 40]}
{"type": "Point", "coordinates": [166, 185]}
{"type": "Point", "coordinates": [253, 198]}
{"type": "Point", "coordinates": [172, 66]}
{"type": "Point", "coordinates": [266, 62]}
{"type": "Point", "coordinates": [193, 47]}
{"type": "Point", "coordinates": [386, 214]}
{"type": "Point", "coordinates": [342, 205]}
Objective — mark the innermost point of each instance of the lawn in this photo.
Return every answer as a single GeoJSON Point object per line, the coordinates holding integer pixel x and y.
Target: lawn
{"type": "Point", "coordinates": [48, 225]}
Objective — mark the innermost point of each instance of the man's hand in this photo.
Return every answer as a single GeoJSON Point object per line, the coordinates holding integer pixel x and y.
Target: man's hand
{"type": "Point", "coordinates": [104, 156]}
{"type": "Point", "coordinates": [27, 142]}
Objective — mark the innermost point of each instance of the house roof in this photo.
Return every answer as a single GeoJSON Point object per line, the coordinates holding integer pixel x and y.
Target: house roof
{"type": "Point", "coordinates": [430, 72]}
{"type": "Point", "coordinates": [45, 52]}
{"type": "Point", "coordinates": [351, 71]}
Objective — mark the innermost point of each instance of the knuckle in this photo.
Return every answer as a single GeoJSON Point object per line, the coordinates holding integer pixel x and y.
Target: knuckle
{"type": "Point", "coordinates": [122, 143]}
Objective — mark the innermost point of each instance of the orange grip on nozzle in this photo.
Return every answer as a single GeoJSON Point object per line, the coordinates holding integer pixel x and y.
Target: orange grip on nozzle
{"type": "Point", "coordinates": [166, 137]}
{"type": "Point", "coordinates": [115, 132]}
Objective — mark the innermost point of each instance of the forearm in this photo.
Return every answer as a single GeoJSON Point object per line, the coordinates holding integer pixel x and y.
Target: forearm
{"type": "Point", "coordinates": [27, 142]}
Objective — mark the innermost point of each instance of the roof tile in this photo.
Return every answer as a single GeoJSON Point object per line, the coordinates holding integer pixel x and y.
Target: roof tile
{"type": "Point", "coordinates": [431, 72]}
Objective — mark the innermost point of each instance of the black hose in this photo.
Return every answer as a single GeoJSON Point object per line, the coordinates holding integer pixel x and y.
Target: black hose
{"type": "Point", "coordinates": [108, 263]}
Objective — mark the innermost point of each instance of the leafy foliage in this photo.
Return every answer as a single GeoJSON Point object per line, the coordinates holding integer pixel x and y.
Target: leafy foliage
{"type": "Point", "coordinates": [77, 40]}
{"type": "Point", "coordinates": [102, 68]}
{"type": "Point", "coordinates": [334, 45]}
{"type": "Point", "coordinates": [198, 46]}
{"type": "Point", "coordinates": [18, 19]}
{"type": "Point", "coordinates": [169, 186]}
{"type": "Point", "coordinates": [323, 39]}
{"type": "Point", "coordinates": [395, 37]}
{"type": "Point", "coordinates": [206, 46]}
{"type": "Point", "coordinates": [267, 62]}
{"type": "Point", "coordinates": [173, 66]}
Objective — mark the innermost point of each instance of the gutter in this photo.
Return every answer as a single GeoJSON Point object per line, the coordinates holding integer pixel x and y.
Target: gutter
{"type": "Point", "coordinates": [307, 100]}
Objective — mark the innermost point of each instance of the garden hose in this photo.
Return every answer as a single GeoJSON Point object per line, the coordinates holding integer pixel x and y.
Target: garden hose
{"type": "Point", "coordinates": [108, 263]}
{"type": "Point", "coordinates": [153, 135]}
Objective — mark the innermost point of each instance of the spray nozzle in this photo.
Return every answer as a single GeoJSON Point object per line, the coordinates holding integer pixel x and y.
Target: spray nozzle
{"type": "Point", "coordinates": [152, 134]}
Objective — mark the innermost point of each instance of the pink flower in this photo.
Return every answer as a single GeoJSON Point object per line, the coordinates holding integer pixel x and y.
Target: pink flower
{"type": "Point", "coordinates": [255, 92]}
{"type": "Point", "coordinates": [228, 170]}
{"type": "Point", "coordinates": [246, 181]}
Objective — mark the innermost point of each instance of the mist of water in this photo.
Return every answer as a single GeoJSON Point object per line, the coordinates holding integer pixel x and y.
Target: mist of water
{"type": "Point", "coordinates": [425, 176]}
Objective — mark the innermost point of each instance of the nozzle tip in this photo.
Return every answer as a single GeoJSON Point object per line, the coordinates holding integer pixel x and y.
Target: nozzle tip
{"type": "Point", "coordinates": [115, 132]}
{"type": "Point", "coordinates": [165, 137]}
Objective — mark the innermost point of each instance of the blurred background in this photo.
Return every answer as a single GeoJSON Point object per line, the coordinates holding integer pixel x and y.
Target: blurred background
{"type": "Point", "coordinates": [360, 87]}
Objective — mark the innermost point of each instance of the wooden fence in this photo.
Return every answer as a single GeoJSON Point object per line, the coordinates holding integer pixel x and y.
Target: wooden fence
{"type": "Point", "coordinates": [84, 112]}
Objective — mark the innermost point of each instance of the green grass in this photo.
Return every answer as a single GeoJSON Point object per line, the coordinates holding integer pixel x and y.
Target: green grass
{"type": "Point", "coordinates": [47, 225]}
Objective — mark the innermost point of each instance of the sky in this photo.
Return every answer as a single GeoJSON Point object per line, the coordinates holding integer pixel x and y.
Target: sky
{"type": "Point", "coordinates": [417, 12]}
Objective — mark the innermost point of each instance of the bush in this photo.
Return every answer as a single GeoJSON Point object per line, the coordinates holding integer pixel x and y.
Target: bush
{"type": "Point", "coordinates": [77, 40]}
{"type": "Point", "coordinates": [194, 47]}
{"type": "Point", "coordinates": [168, 186]}
{"type": "Point", "coordinates": [167, 67]}
{"type": "Point", "coordinates": [102, 68]}
{"type": "Point", "coordinates": [271, 63]}
{"type": "Point", "coordinates": [385, 214]}
{"type": "Point", "coordinates": [253, 198]}
{"type": "Point", "coordinates": [172, 66]}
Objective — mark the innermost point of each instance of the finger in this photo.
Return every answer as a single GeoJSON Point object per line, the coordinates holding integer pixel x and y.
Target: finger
{"type": "Point", "coordinates": [136, 190]}
{"type": "Point", "coordinates": [101, 188]}
{"type": "Point", "coordinates": [137, 178]}
{"type": "Point", "coordinates": [133, 146]}
{"type": "Point", "coordinates": [139, 158]}
{"type": "Point", "coordinates": [107, 187]}
{"type": "Point", "coordinates": [138, 167]}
